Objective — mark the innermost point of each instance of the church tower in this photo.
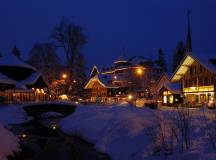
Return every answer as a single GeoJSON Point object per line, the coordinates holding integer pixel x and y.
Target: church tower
{"type": "Point", "coordinates": [188, 45]}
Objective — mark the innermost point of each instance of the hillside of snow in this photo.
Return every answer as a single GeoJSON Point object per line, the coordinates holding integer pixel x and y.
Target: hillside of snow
{"type": "Point", "coordinates": [12, 114]}
{"type": "Point", "coordinates": [131, 133]}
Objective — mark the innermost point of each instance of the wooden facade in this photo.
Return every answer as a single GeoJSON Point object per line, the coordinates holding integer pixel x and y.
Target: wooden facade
{"type": "Point", "coordinates": [198, 79]}
{"type": "Point", "coordinates": [198, 84]}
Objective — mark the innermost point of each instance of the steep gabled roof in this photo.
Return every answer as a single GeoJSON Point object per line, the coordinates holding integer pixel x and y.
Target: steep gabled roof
{"type": "Point", "coordinates": [94, 71]}
{"type": "Point", "coordinates": [100, 79]}
{"type": "Point", "coordinates": [6, 80]}
{"type": "Point", "coordinates": [188, 60]}
{"type": "Point", "coordinates": [173, 87]}
{"type": "Point", "coordinates": [11, 60]}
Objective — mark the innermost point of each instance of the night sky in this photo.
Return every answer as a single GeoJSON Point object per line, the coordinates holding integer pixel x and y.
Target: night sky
{"type": "Point", "coordinates": [141, 26]}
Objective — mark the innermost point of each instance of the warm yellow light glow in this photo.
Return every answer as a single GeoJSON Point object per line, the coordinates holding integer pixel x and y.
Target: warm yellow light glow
{"type": "Point", "coordinates": [182, 69]}
{"type": "Point", "coordinates": [193, 88]}
{"type": "Point", "coordinates": [24, 135]}
{"type": "Point", "coordinates": [42, 91]}
{"type": "Point", "coordinates": [38, 90]}
{"type": "Point", "coordinates": [199, 89]}
{"type": "Point", "coordinates": [130, 96]}
{"type": "Point", "coordinates": [64, 75]}
{"type": "Point", "coordinates": [54, 126]}
{"type": "Point", "coordinates": [165, 99]}
{"type": "Point", "coordinates": [64, 97]}
{"type": "Point", "coordinates": [139, 71]}
{"type": "Point", "coordinates": [165, 93]}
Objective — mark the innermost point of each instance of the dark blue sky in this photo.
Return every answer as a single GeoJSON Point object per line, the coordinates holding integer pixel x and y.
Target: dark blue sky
{"type": "Point", "coordinates": [142, 26]}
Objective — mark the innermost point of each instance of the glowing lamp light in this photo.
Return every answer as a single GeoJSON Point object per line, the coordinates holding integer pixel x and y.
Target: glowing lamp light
{"type": "Point", "coordinates": [74, 81]}
{"type": "Point", "coordinates": [139, 71]}
{"type": "Point", "coordinates": [54, 126]}
{"type": "Point", "coordinates": [193, 88]}
{"type": "Point", "coordinates": [76, 102]}
{"type": "Point", "coordinates": [64, 97]}
{"type": "Point", "coordinates": [64, 76]}
{"type": "Point", "coordinates": [115, 77]}
{"type": "Point", "coordinates": [23, 136]}
{"type": "Point", "coordinates": [130, 97]}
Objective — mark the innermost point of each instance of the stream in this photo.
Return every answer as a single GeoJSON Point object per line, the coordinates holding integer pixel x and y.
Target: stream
{"type": "Point", "coordinates": [43, 140]}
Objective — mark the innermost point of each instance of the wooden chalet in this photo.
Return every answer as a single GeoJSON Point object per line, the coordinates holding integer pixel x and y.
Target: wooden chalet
{"type": "Point", "coordinates": [197, 74]}
{"type": "Point", "coordinates": [19, 81]}
{"type": "Point", "coordinates": [168, 93]}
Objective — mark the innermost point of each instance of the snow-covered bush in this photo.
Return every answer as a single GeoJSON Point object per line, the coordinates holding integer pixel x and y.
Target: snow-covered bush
{"type": "Point", "coordinates": [9, 144]}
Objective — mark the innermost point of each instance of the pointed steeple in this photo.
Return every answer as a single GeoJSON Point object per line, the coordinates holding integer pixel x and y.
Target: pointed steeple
{"type": "Point", "coordinates": [94, 71]}
{"type": "Point", "coordinates": [188, 45]}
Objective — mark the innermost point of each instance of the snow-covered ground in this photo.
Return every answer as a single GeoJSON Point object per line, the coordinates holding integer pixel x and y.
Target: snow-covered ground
{"type": "Point", "coordinates": [12, 114]}
{"type": "Point", "coordinates": [131, 133]}
{"type": "Point", "coordinates": [9, 143]}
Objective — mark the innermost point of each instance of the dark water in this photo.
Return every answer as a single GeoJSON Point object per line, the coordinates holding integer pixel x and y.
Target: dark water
{"type": "Point", "coordinates": [39, 141]}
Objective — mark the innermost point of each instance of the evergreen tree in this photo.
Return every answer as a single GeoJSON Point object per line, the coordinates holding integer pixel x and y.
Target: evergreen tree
{"type": "Point", "coordinates": [16, 51]}
{"type": "Point", "coordinates": [178, 55]}
{"type": "Point", "coordinates": [80, 74]}
{"type": "Point", "coordinates": [161, 61]}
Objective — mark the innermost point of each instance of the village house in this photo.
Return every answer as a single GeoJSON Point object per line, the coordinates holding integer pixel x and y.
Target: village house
{"type": "Point", "coordinates": [126, 79]}
{"type": "Point", "coordinates": [197, 74]}
{"type": "Point", "coordinates": [168, 93]}
{"type": "Point", "coordinates": [19, 81]}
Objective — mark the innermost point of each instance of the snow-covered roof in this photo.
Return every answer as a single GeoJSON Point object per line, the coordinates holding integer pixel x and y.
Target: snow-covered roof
{"type": "Point", "coordinates": [204, 59]}
{"type": "Point", "coordinates": [136, 60]}
{"type": "Point", "coordinates": [201, 58]}
{"type": "Point", "coordinates": [102, 79]}
{"type": "Point", "coordinates": [6, 80]}
{"type": "Point", "coordinates": [173, 87]}
{"type": "Point", "coordinates": [31, 79]}
{"type": "Point", "coordinates": [11, 60]}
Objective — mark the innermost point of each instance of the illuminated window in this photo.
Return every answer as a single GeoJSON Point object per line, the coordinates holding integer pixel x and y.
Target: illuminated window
{"type": "Point", "coordinates": [171, 99]}
{"type": "Point", "coordinates": [165, 99]}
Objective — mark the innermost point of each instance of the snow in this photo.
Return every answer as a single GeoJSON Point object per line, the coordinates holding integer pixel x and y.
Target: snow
{"type": "Point", "coordinates": [11, 60]}
{"type": "Point", "coordinates": [12, 114]}
{"type": "Point", "coordinates": [31, 79]}
{"type": "Point", "coordinates": [123, 132]}
{"type": "Point", "coordinates": [9, 143]}
{"type": "Point", "coordinates": [5, 79]}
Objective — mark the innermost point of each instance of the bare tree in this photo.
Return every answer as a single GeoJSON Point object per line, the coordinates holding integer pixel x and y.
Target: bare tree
{"type": "Point", "coordinates": [70, 37]}
{"type": "Point", "coordinates": [43, 57]}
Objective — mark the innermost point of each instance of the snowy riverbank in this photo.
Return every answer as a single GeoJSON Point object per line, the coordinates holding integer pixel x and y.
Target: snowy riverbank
{"type": "Point", "coordinates": [132, 134]}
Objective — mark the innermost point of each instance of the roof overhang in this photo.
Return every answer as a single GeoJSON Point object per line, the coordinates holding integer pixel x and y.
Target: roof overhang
{"type": "Point", "coordinates": [90, 83]}
{"type": "Point", "coordinates": [183, 68]}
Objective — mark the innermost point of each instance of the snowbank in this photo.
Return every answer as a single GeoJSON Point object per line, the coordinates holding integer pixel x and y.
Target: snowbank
{"type": "Point", "coordinates": [9, 144]}
{"type": "Point", "coordinates": [123, 132]}
{"type": "Point", "coordinates": [12, 114]}
{"type": "Point", "coordinates": [118, 131]}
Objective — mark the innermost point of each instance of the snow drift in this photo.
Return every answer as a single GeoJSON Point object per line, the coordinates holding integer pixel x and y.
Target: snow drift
{"type": "Point", "coordinates": [9, 144]}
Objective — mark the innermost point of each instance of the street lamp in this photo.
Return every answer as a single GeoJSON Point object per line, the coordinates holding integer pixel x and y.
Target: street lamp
{"type": "Point", "coordinates": [139, 71]}
{"type": "Point", "coordinates": [64, 75]}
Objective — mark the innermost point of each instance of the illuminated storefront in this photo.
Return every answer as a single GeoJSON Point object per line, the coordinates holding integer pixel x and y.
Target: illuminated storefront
{"type": "Point", "coordinates": [197, 75]}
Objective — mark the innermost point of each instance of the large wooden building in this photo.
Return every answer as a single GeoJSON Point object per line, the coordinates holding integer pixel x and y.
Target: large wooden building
{"type": "Point", "coordinates": [197, 74]}
{"type": "Point", "coordinates": [134, 77]}
{"type": "Point", "coordinates": [19, 81]}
